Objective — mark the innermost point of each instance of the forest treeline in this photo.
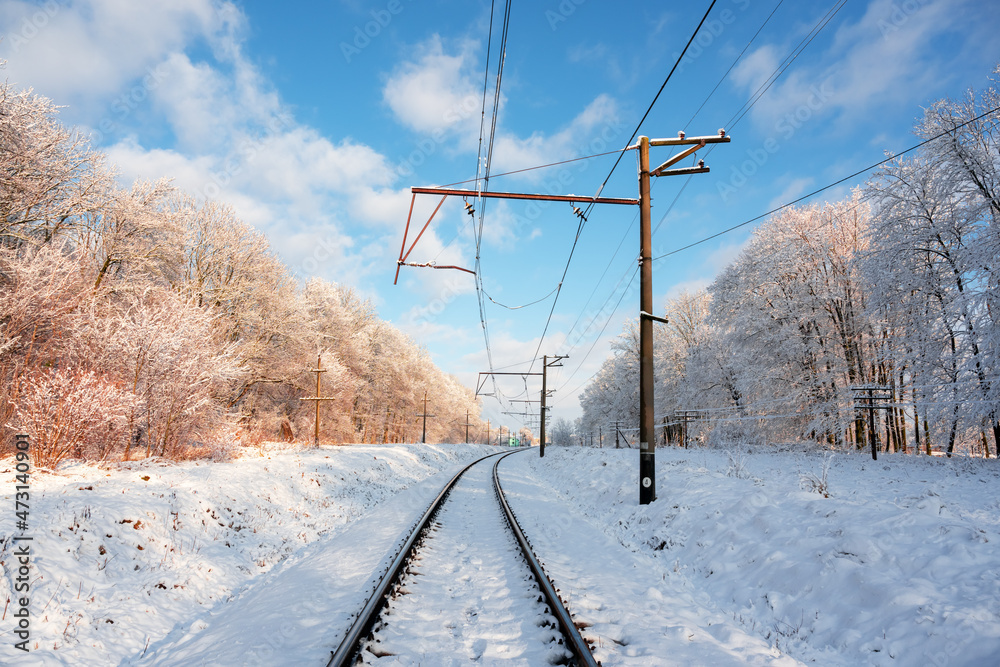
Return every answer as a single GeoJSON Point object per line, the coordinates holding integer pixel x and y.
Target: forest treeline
{"type": "Point", "coordinates": [897, 286]}
{"type": "Point", "coordinates": [138, 322]}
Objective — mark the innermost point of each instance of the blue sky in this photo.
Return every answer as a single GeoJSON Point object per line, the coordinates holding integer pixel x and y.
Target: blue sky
{"type": "Point", "coordinates": [314, 119]}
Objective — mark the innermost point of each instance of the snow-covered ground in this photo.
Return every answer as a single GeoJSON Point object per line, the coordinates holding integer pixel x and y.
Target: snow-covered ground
{"type": "Point", "coordinates": [468, 596]}
{"type": "Point", "coordinates": [737, 562]}
{"type": "Point", "coordinates": [898, 566]}
{"type": "Point", "coordinates": [122, 556]}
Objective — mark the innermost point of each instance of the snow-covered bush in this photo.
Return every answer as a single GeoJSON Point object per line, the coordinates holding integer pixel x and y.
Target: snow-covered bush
{"type": "Point", "coordinates": [166, 350]}
{"type": "Point", "coordinates": [731, 435]}
{"type": "Point", "coordinates": [818, 483]}
{"type": "Point", "coordinates": [72, 413]}
{"type": "Point", "coordinates": [737, 462]}
{"type": "Point", "coordinates": [39, 288]}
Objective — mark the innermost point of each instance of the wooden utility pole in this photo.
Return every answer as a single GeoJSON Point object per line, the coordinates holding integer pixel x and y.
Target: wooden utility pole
{"type": "Point", "coordinates": [423, 438]}
{"type": "Point", "coordinates": [866, 399]}
{"type": "Point", "coordinates": [647, 443]}
{"type": "Point", "coordinates": [319, 370]}
{"type": "Point", "coordinates": [647, 435]}
{"type": "Point", "coordinates": [647, 439]}
{"type": "Point", "coordinates": [546, 364]}
{"type": "Point", "coordinates": [466, 427]}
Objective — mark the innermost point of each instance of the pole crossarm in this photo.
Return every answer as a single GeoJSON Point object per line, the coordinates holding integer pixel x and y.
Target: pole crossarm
{"type": "Point", "coordinates": [454, 192]}
{"type": "Point", "coordinates": [647, 418]}
{"type": "Point", "coordinates": [683, 140]}
{"type": "Point", "coordinates": [655, 318]}
{"type": "Point", "coordinates": [482, 381]}
{"type": "Point", "coordinates": [683, 171]}
{"type": "Point", "coordinates": [432, 265]}
{"type": "Point", "coordinates": [677, 158]}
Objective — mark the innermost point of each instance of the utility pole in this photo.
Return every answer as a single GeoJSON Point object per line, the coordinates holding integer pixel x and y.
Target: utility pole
{"type": "Point", "coordinates": [466, 427]}
{"type": "Point", "coordinates": [546, 364]}
{"type": "Point", "coordinates": [616, 434]}
{"type": "Point", "coordinates": [647, 435]}
{"type": "Point", "coordinates": [319, 396]}
{"type": "Point", "coordinates": [866, 398]}
{"type": "Point", "coordinates": [485, 375]}
{"type": "Point", "coordinates": [423, 438]}
{"type": "Point", "coordinates": [647, 477]}
{"type": "Point", "coordinates": [647, 441]}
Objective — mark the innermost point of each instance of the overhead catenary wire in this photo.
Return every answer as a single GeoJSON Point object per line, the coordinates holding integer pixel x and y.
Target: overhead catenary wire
{"type": "Point", "coordinates": [532, 303]}
{"type": "Point", "coordinates": [586, 211]}
{"type": "Point", "coordinates": [672, 203]}
{"type": "Point", "coordinates": [484, 170]}
{"type": "Point", "coordinates": [789, 59]}
{"type": "Point", "coordinates": [827, 187]}
{"type": "Point", "coordinates": [621, 153]}
{"type": "Point", "coordinates": [734, 63]}
{"type": "Point", "coordinates": [763, 88]}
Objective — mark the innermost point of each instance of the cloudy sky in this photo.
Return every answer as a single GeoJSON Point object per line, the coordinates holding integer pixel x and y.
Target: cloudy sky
{"type": "Point", "coordinates": [313, 119]}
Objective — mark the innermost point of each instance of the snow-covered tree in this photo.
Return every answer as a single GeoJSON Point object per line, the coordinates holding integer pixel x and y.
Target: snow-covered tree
{"type": "Point", "coordinates": [933, 267]}
{"type": "Point", "coordinates": [51, 177]}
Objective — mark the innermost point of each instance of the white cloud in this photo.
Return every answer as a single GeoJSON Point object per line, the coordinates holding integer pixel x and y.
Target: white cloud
{"type": "Point", "coordinates": [439, 94]}
{"type": "Point", "coordinates": [93, 49]}
{"type": "Point", "coordinates": [884, 50]}
{"type": "Point", "coordinates": [437, 91]}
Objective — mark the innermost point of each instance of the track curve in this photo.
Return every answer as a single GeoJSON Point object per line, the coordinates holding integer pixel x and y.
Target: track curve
{"type": "Point", "coordinates": [491, 561]}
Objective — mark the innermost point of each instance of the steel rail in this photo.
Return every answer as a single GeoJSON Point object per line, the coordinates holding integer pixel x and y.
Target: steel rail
{"type": "Point", "coordinates": [351, 643]}
{"type": "Point", "coordinates": [575, 642]}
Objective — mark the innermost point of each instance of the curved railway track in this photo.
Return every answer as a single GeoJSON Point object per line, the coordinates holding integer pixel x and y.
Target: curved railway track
{"type": "Point", "coordinates": [487, 573]}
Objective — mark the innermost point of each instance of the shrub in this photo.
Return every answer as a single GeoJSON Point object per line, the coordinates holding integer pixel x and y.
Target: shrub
{"type": "Point", "coordinates": [71, 413]}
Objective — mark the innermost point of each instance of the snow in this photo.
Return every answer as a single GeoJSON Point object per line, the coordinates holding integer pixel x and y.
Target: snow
{"type": "Point", "coordinates": [898, 566]}
{"type": "Point", "coordinates": [183, 542]}
{"type": "Point", "coordinates": [739, 561]}
{"type": "Point", "coordinates": [470, 564]}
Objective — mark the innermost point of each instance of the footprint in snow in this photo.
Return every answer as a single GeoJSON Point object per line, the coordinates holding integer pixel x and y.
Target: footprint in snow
{"type": "Point", "coordinates": [478, 648]}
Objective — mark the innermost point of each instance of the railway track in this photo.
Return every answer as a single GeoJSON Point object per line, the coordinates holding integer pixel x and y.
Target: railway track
{"type": "Point", "coordinates": [465, 584]}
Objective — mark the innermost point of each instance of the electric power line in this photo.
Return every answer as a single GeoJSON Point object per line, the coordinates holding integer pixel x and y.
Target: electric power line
{"type": "Point", "coordinates": [586, 212]}
{"type": "Point", "coordinates": [827, 187]}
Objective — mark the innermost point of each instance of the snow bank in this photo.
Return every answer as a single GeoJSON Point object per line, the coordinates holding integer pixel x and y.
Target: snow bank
{"type": "Point", "coordinates": [122, 556]}
{"type": "Point", "coordinates": [899, 566]}
{"type": "Point", "coordinates": [739, 561]}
